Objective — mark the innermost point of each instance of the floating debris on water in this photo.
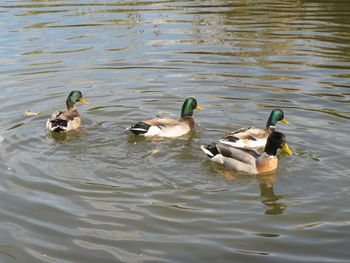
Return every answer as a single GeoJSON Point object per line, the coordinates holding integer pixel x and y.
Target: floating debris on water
{"type": "Point", "coordinates": [31, 113]}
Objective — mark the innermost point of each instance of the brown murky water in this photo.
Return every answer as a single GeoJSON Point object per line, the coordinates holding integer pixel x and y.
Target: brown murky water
{"type": "Point", "coordinates": [103, 195]}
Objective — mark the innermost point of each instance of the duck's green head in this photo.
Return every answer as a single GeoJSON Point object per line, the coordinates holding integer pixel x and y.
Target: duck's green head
{"type": "Point", "coordinates": [189, 105]}
{"type": "Point", "coordinates": [275, 141]}
{"type": "Point", "coordinates": [73, 97]}
{"type": "Point", "coordinates": [275, 116]}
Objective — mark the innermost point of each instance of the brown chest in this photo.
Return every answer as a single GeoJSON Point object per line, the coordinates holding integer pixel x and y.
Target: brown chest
{"type": "Point", "coordinates": [267, 164]}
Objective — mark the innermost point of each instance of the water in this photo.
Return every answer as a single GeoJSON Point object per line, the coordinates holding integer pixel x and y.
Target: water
{"type": "Point", "coordinates": [103, 195]}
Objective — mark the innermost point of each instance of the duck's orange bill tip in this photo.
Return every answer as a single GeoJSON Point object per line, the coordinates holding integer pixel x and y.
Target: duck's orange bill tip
{"type": "Point", "coordinates": [84, 101]}
{"type": "Point", "coordinates": [286, 148]}
{"type": "Point", "coordinates": [285, 121]}
{"type": "Point", "coordinates": [199, 108]}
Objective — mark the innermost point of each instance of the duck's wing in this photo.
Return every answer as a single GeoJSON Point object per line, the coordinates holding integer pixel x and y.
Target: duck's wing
{"type": "Point", "coordinates": [247, 156]}
{"type": "Point", "coordinates": [69, 115]}
{"type": "Point", "coordinates": [248, 137]}
{"type": "Point", "coordinates": [249, 132]}
{"type": "Point", "coordinates": [163, 127]}
{"type": "Point", "coordinates": [233, 158]}
{"type": "Point", "coordinates": [55, 115]}
{"type": "Point", "coordinates": [163, 121]}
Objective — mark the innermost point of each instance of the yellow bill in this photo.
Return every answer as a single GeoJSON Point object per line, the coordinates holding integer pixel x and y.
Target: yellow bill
{"type": "Point", "coordinates": [286, 148]}
{"type": "Point", "coordinates": [84, 101]}
{"type": "Point", "coordinates": [199, 107]}
{"type": "Point", "coordinates": [285, 121]}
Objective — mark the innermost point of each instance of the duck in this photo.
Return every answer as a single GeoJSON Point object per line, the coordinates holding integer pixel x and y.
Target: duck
{"type": "Point", "coordinates": [248, 160]}
{"type": "Point", "coordinates": [64, 121]}
{"type": "Point", "coordinates": [253, 137]}
{"type": "Point", "coordinates": [168, 127]}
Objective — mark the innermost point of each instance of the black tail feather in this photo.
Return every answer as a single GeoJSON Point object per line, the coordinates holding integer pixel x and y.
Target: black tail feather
{"type": "Point", "coordinates": [59, 122]}
{"type": "Point", "coordinates": [211, 150]}
{"type": "Point", "coordinates": [231, 138]}
{"type": "Point", "coordinates": [139, 128]}
{"type": "Point", "coordinates": [59, 125]}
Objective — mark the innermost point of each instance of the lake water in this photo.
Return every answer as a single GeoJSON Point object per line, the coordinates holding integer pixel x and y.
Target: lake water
{"type": "Point", "coordinates": [103, 195]}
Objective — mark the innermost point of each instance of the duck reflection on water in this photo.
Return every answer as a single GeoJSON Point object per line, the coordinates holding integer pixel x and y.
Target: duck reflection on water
{"type": "Point", "coordinates": [271, 200]}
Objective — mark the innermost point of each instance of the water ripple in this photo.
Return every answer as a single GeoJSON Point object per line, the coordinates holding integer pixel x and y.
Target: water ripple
{"type": "Point", "coordinates": [104, 195]}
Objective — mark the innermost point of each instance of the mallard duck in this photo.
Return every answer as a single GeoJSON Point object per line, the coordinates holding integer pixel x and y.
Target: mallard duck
{"type": "Point", "coordinates": [252, 137]}
{"type": "Point", "coordinates": [63, 121]}
{"type": "Point", "coordinates": [248, 160]}
{"type": "Point", "coordinates": [168, 127]}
